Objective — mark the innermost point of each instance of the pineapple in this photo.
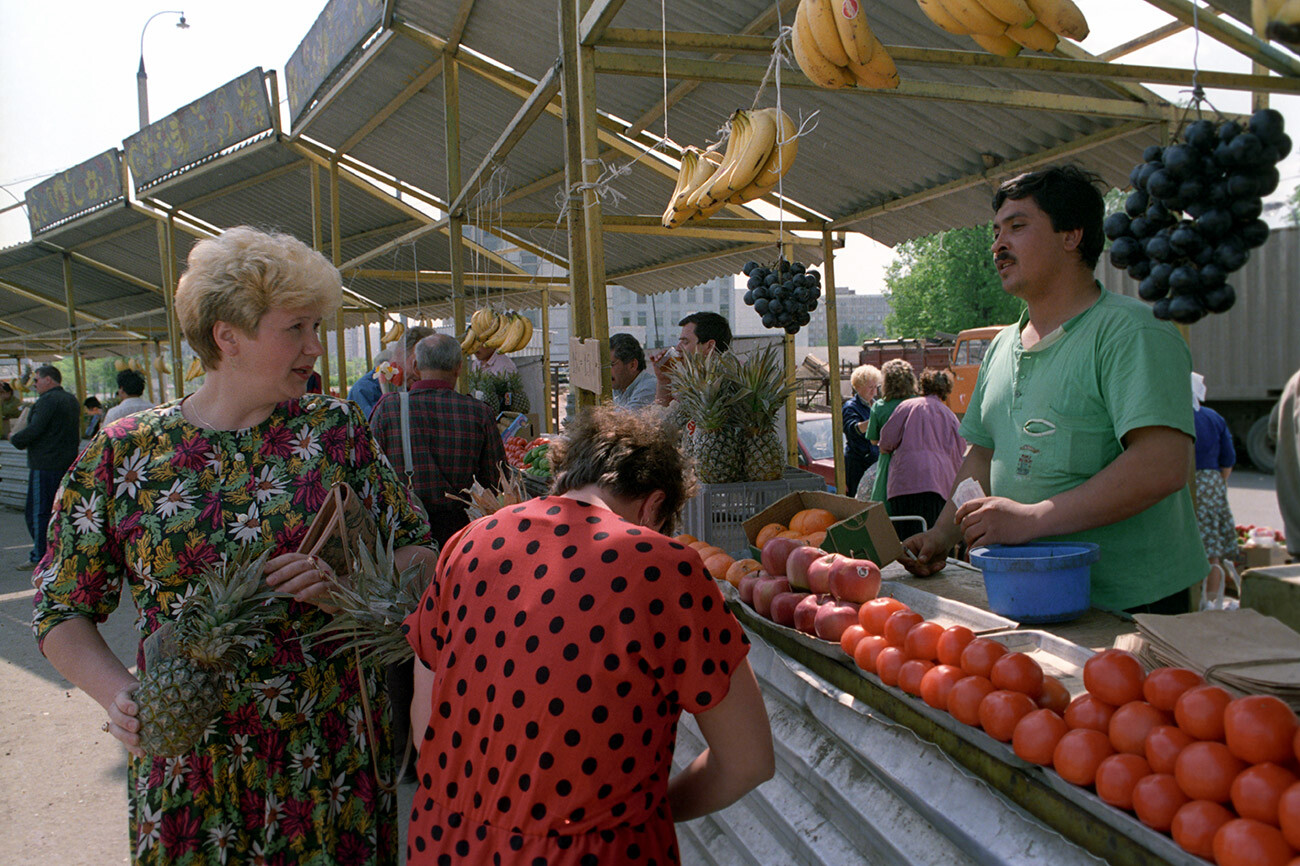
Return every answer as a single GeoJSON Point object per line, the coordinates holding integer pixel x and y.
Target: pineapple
{"type": "Point", "coordinates": [706, 391]}
{"type": "Point", "coordinates": [188, 661]}
{"type": "Point", "coordinates": [513, 384]}
{"type": "Point", "coordinates": [761, 386]}
{"type": "Point", "coordinates": [483, 386]}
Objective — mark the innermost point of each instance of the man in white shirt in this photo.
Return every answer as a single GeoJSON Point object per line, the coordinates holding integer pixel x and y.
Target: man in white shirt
{"type": "Point", "coordinates": [634, 383]}
{"type": "Point", "coordinates": [130, 388]}
{"type": "Point", "coordinates": [492, 361]}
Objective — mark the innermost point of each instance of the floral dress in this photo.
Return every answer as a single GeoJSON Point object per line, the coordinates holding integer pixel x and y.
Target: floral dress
{"type": "Point", "coordinates": [285, 775]}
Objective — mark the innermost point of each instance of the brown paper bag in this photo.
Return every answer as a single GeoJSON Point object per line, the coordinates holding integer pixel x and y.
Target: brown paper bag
{"type": "Point", "coordinates": [339, 527]}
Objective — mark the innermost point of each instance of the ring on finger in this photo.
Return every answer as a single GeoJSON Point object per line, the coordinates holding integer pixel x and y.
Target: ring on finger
{"type": "Point", "coordinates": [104, 727]}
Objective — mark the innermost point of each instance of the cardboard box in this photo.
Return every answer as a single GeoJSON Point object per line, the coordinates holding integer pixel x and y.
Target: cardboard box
{"type": "Point", "coordinates": [1261, 557]}
{"type": "Point", "coordinates": [1273, 591]}
{"type": "Point", "coordinates": [527, 428]}
{"type": "Point", "coordinates": [863, 529]}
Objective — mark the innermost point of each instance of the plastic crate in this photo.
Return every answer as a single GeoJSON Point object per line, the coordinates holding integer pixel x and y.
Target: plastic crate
{"type": "Point", "coordinates": [717, 514]}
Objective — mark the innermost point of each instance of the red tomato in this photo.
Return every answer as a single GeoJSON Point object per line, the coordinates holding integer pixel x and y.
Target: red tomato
{"type": "Point", "coordinates": [1036, 736]}
{"type": "Point", "coordinates": [849, 639]}
{"type": "Point", "coordinates": [889, 662]}
{"type": "Point", "coordinates": [911, 674]}
{"type": "Point", "coordinates": [1259, 728]}
{"type": "Point", "coordinates": [1054, 697]}
{"type": "Point", "coordinates": [1163, 686]}
{"type": "Point", "coordinates": [873, 613]}
{"type": "Point", "coordinates": [898, 625]}
{"type": "Point", "coordinates": [1019, 673]}
{"type": "Point", "coordinates": [864, 654]}
{"type": "Point", "coordinates": [1001, 710]}
{"type": "Point", "coordinates": [1257, 790]}
{"type": "Point", "coordinates": [938, 682]}
{"type": "Point", "coordinates": [952, 642]}
{"type": "Point", "coordinates": [922, 641]}
{"type": "Point", "coordinates": [980, 654]}
{"type": "Point", "coordinates": [1205, 771]}
{"type": "Point", "coordinates": [965, 697]}
{"type": "Point", "coordinates": [1163, 743]}
{"type": "Point", "coordinates": [1079, 753]}
{"type": "Point", "coordinates": [1087, 711]}
{"type": "Point", "coordinates": [1130, 724]}
{"type": "Point", "coordinates": [1243, 842]}
{"type": "Point", "coordinates": [1199, 711]}
{"type": "Point", "coordinates": [1114, 676]}
{"type": "Point", "coordinates": [1196, 823]}
{"type": "Point", "coordinates": [1288, 814]}
{"type": "Point", "coordinates": [1116, 777]}
{"type": "Point", "coordinates": [1156, 799]}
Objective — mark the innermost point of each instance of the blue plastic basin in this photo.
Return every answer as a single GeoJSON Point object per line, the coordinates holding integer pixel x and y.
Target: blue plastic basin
{"type": "Point", "coordinates": [1041, 581]}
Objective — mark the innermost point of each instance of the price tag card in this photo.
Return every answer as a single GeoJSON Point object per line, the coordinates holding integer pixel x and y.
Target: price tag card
{"type": "Point", "coordinates": [584, 364]}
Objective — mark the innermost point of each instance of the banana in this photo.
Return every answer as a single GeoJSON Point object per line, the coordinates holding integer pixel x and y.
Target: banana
{"type": "Point", "coordinates": [119, 365]}
{"type": "Point", "coordinates": [136, 365]}
{"type": "Point", "coordinates": [161, 366]}
{"type": "Point", "coordinates": [499, 335]}
{"type": "Point", "coordinates": [740, 130]}
{"type": "Point", "coordinates": [394, 334]}
{"type": "Point", "coordinates": [974, 17]}
{"type": "Point", "coordinates": [194, 370]}
{"type": "Point", "coordinates": [812, 62]}
{"type": "Point", "coordinates": [1015, 12]}
{"type": "Point", "coordinates": [821, 21]}
{"type": "Point", "coordinates": [855, 32]}
{"type": "Point", "coordinates": [1061, 17]}
{"type": "Point", "coordinates": [881, 73]}
{"type": "Point", "coordinates": [513, 333]}
{"type": "Point", "coordinates": [677, 212]}
{"type": "Point", "coordinates": [481, 319]}
{"type": "Point", "coordinates": [1283, 21]}
{"type": "Point", "coordinates": [528, 333]}
{"type": "Point", "coordinates": [1038, 37]}
{"type": "Point", "coordinates": [470, 342]}
{"type": "Point", "coordinates": [778, 162]}
{"type": "Point", "coordinates": [753, 151]}
{"type": "Point", "coordinates": [496, 326]}
{"type": "Point", "coordinates": [939, 15]}
{"type": "Point", "coordinates": [1002, 46]}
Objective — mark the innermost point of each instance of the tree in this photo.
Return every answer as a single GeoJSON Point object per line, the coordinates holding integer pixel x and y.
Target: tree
{"type": "Point", "coordinates": [946, 282]}
{"type": "Point", "coordinates": [849, 335]}
{"type": "Point", "coordinates": [1293, 207]}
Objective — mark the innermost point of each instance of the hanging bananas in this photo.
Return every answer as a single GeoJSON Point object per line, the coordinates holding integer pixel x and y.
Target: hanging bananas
{"type": "Point", "coordinates": [394, 334]}
{"type": "Point", "coordinates": [161, 366]}
{"type": "Point", "coordinates": [1004, 27]}
{"type": "Point", "coordinates": [835, 47]}
{"type": "Point", "coordinates": [1277, 19]}
{"type": "Point", "coordinates": [194, 370]}
{"type": "Point", "coordinates": [503, 332]}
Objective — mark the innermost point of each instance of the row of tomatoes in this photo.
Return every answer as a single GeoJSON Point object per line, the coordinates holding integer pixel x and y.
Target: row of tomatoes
{"type": "Point", "coordinates": [1217, 773]}
{"type": "Point", "coordinates": [517, 446]}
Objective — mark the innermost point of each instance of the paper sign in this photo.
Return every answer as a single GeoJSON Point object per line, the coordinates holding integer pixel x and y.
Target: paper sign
{"type": "Point", "coordinates": [584, 364]}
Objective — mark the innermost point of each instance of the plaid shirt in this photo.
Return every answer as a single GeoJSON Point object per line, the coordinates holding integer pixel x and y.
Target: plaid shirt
{"type": "Point", "coordinates": [454, 440]}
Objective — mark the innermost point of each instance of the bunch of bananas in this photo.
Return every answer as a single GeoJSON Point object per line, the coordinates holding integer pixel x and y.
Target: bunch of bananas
{"type": "Point", "coordinates": [761, 148]}
{"type": "Point", "coordinates": [394, 334]}
{"type": "Point", "coordinates": [1004, 27]}
{"type": "Point", "coordinates": [834, 46]}
{"type": "Point", "coordinates": [194, 370]}
{"type": "Point", "coordinates": [161, 366]}
{"type": "Point", "coordinates": [1278, 19]}
{"type": "Point", "coordinates": [123, 364]}
{"type": "Point", "coordinates": [19, 384]}
{"type": "Point", "coordinates": [504, 332]}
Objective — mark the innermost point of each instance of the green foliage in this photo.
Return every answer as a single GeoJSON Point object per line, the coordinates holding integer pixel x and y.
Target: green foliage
{"type": "Point", "coordinates": [946, 282]}
{"type": "Point", "coordinates": [1293, 207]}
{"type": "Point", "coordinates": [849, 335]}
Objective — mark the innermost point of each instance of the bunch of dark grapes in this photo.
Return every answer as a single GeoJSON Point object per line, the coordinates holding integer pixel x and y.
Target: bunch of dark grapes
{"type": "Point", "coordinates": [1194, 214]}
{"type": "Point", "coordinates": [784, 294]}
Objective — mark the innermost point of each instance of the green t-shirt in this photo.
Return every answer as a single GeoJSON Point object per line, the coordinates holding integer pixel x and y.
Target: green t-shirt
{"type": "Point", "coordinates": [880, 412]}
{"type": "Point", "coordinates": [1054, 416]}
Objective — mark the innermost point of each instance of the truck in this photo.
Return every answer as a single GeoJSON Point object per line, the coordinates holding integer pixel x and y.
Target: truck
{"type": "Point", "coordinates": [960, 355]}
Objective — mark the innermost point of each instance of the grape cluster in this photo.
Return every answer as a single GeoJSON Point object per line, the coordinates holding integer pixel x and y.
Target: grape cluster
{"type": "Point", "coordinates": [1194, 214]}
{"type": "Point", "coordinates": [783, 294]}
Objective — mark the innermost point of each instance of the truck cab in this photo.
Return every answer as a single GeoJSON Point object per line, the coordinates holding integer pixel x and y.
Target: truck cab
{"type": "Point", "coordinates": [968, 353]}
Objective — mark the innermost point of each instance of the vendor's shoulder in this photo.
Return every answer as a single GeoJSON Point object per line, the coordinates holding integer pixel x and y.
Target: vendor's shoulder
{"type": "Point", "coordinates": [1123, 314]}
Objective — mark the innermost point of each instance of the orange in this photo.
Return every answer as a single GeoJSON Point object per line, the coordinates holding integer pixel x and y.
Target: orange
{"type": "Point", "coordinates": [767, 533]}
{"type": "Point", "coordinates": [718, 564]}
{"type": "Point", "coordinates": [696, 545]}
{"type": "Point", "coordinates": [815, 539]}
{"type": "Point", "coordinates": [684, 538]}
{"type": "Point", "coordinates": [790, 533]}
{"type": "Point", "coordinates": [740, 568]}
{"type": "Point", "coordinates": [811, 520]}
{"type": "Point", "coordinates": [708, 551]}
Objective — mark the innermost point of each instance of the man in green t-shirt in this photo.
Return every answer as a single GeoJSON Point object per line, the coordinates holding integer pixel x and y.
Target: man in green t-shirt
{"type": "Point", "coordinates": [1080, 424]}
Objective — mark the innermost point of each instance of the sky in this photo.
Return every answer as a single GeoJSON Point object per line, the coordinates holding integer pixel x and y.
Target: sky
{"type": "Point", "coordinates": [55, 113]}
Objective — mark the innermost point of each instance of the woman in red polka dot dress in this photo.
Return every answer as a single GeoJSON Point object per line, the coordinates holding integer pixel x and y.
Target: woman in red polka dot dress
{"type": "Point", "coordinates": [559, 643]}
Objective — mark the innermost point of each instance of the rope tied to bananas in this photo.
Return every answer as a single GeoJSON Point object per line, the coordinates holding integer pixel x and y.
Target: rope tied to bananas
{"type": "Point", "coordinates": [781, 55]}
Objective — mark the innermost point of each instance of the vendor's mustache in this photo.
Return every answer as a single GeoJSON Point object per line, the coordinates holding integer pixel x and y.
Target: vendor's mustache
{"type": "Point", "coordinates": [1003, 257]}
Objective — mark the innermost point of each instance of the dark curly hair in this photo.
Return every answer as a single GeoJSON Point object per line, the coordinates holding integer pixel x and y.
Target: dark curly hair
{"type": "Point", "coordinates": [900, 380]}
{"type": "Point", "coordinates": [630, 454]}
{"type": "Point", "coordinates": [936, 382]}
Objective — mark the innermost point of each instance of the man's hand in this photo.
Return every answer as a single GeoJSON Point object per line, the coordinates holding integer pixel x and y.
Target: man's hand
{"type": "Point", "coordinates": [925, 553]}
{"type": "Point", "coordinates": [996, 520]}
{"type": "Point", "coordinates": [660, 362]}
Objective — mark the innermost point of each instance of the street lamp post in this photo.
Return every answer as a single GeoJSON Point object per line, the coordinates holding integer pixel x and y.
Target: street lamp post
{"type": "Point", "coordinates": [141, 77]}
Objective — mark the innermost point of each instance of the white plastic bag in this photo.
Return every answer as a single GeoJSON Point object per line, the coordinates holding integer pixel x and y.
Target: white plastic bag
{"type": "Point", "coordinates": [1214, 595]}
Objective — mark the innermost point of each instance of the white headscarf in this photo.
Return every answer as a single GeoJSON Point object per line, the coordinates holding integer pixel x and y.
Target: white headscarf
{"type": "Point", "coordinates": [1198, 390]}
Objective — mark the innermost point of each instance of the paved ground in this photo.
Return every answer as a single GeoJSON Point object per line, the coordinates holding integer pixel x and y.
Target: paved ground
{"type": "Point", "coordinates": [63, 782]}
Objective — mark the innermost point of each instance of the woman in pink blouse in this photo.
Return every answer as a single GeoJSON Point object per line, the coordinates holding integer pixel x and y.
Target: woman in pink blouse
{"type": "Point", "coordinates": [927, 450]}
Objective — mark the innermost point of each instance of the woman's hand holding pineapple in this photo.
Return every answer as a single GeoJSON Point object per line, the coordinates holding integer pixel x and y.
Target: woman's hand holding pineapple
{"type": "Point", "coordinates": [306, 578]}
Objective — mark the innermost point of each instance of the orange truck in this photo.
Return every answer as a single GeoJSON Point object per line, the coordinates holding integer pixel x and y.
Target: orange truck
{"type": "Point", "coordinates": [960, 355]}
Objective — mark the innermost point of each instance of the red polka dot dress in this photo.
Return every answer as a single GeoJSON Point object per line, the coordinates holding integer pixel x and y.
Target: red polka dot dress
{"type": "Point", "coordinates": [565, 643]}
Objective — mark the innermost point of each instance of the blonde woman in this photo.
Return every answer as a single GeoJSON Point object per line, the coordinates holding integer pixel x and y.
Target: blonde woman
{"type": "Point", "coordinates": [860, 453]}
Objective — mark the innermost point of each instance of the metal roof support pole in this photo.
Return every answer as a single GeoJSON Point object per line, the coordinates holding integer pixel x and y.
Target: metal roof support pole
{"type": "Point", "coordinates": [548, 425]}
{"type": "Point", "coordinates": [456, 220]}
{"type": "Point", "coordinates": [591, 171]}
{"type": "Point", "coordinates": [162, 383]}
{"type": "Point", "coordinates": [365, 333]}
{"type": "Point", "coordinates": [575, 214]}
{"type": "Point", "coordinates": [791, 404]}
{"type": "Point", "coordinates": [336, 254]}
{"type": "Point", "coordinates": [317, 243]}
{"type": "Point", "coordinates": [833, 394]}
{"type": "Point", "coordinates": [169, 295]}
{"type": "Point", "coordinates": [68, 294]}
{"type": "Point", "coordinates": [148, 380]}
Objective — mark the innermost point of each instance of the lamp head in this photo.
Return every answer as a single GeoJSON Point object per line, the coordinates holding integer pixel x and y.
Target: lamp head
{"type": "Point", "coordinates": [182, 24]}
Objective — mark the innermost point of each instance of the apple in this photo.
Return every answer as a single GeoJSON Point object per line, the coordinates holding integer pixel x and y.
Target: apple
{"type": "Point", "coordinates": [805, 612]}
{"type": "Point", "coordinates": [856, 580]}
{"type": "Point", "coordinates": [775, 553]}
{"type": "Point", "coordinates": [833, 618]}
{"type": "Point", "coordinates": [747, 584]}
{"type": "Point", "coordinates": [766, 591]}
{"type": "Point", "coordinates": [797, 563]}
{"type": "Point", "coordinates": [819, 572]}
{"type": "Point", "coordinates": [783, 606]}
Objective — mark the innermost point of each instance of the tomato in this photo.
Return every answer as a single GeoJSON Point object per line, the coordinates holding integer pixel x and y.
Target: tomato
{"type": "Point", "coordinates": [1196, 823]}
{"type": "Point", "coordinates": [1086, 711]}
{"type": "Point", "coordinates": [1036, 736]}
{"type": "Point", "coordinates": [938, 682]}
{"type": "Point", "coordinates": [1130, 724]}
{"type": "Point", "coordinates": [1079, 753]}
{"type": "Point", "coordinates": [1156, 799]}
{"type": "Point", "coordinates": [1114, 676]}
{"type": "Point", "coordinates": [1163, 686]}
{"type": "Point", "coordinates": [1259, 728]}
{"type": "Point", "coordinates": [1163, 743]}
{"type": "Point", "coordinates": [1257, 790]}
{"type": "Point", "coordinates": [873, 613]}
{"type": "Point", "coordinates": [1019, 673]}
{"type": "Point", "coordinates": [889, 661]}
{"type": "Point", "coordinates": [898, 625]}
{"type": "Point", "coordinates": [1116, 777]}
{"type": "Point", "coordinates": [1205, 771]}
{"type": "Point", "coordinates": [952, 642]}
{"type": "Point", "coordinates": [849, 639]}
{"type": "Point", "coordinates": [922, 641]}
{"type": "Point", "coordinates": [864, 654]}
{"type": "Point", "coordinates": [965, 697]}
{"type": "Point", "coordinates": [1001, 710]}
{"type": "Point", "coordinates": [980, 654]}
{"type": "Point", "coordinates": [1243, 842]}
{"type": "Point", "coordinates": [1054, 696]}
{"type": "Point", "coordinates": [1199, 711]}
{"type": "Point", "coordinates": [911, 674]}
{"type": "Point", "coordinates": [1288, 814]}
